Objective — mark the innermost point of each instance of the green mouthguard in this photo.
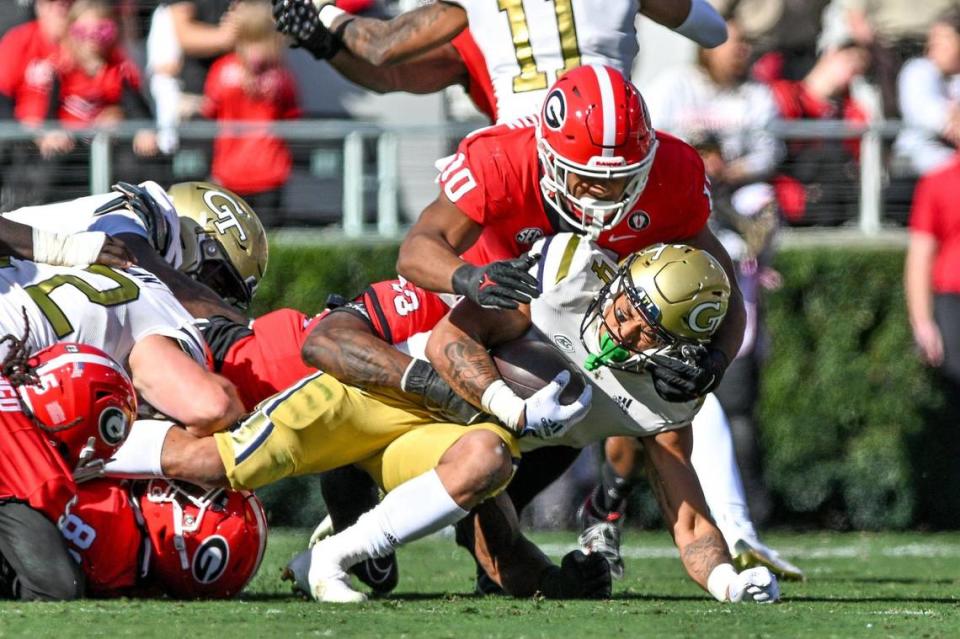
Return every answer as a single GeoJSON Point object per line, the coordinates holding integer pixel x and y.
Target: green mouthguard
{"type": "Point", "coordinates": [610, 351]}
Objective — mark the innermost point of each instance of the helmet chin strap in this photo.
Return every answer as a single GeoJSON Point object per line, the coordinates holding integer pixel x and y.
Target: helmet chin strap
{"type": "Point", "coordinates": [593, 209]}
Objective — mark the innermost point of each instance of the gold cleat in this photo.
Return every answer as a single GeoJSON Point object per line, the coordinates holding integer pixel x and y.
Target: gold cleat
{"type": "Point", "coordinates": [751, 555]}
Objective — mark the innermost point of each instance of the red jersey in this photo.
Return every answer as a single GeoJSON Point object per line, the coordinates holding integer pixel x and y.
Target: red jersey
{"type": "Point", "coordinates": [936, 212]}
{"type": "Point", "coordinates": [267, 360]}
{"type": "Point", "coordinates": [31, 469]}
{"type": "Point", "coordinates": [255, 161]}
{"type": "Point", "coordinates": [103, 533]}
{"type": "Point", "coordinates": [495, 180]}
{"type": "Point", "coordinates": [28, 69]}
{"type": "Point", "coordinates": [479, 86]}
{"type": "Point", "coordinates": [399, 309]}
{"type": "Point", "coordinates": [85, 98]}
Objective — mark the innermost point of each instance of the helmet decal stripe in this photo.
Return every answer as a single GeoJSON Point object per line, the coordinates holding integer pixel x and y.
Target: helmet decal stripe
{"type": "Point", "coordinates": [82, 358]}
{"type": "Point", "coordinates": [609, 107]}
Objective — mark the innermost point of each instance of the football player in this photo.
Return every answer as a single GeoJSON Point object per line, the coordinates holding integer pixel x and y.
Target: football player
{"type": "Point", "coordinates": [627, 325]}
{"type": "Point", "coordinates": [520, 49]}
{"type": "Point", "coordinates": [65, 409]}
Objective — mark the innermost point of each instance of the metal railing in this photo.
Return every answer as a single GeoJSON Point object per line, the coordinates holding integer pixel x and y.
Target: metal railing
{"type": "Point", "coordinates": [364, 189]}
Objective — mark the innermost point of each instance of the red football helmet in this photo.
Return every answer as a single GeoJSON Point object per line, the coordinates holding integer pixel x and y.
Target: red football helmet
{"type": "Point", "coordinates": [85, 402]}
{"type": "Point", "coordinates": [595, 124]}
{"type": "Point", "coordinates": [204, 544]}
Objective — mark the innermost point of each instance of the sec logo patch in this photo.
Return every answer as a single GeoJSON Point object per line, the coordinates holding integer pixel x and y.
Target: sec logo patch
{"type": "Point", "coordinates": [638, 220]}
{"type": "Point", "coordinates": [529, 235]}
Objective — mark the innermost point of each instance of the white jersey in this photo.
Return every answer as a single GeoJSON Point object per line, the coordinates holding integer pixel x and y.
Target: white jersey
{"type": "Point", "coordinates": [527, 43]}
{"type": "Point", "coordinates": [572, 270]}
{"type": "Point", "coordinates": [74, 216]}
{"type": "Point", "coordinates": [97, 305]}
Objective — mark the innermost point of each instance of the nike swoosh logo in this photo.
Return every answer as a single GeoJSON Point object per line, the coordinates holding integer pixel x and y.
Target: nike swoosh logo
{"type": "Point", "coordinates": [379, 574]}
{"type": "Point", "coordinates": [617, 238]}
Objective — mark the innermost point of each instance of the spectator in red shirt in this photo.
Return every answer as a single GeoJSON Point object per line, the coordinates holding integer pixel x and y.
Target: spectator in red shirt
{"type": "Point", "coordinates": [932, 278]}
{"type": "Point", "coordinates": [819, 179]}
{"type": "Point", "coordinates": [94, 84]}
{"type": "Point", "coordinates": [251, 84]}
{"type": "Point", "coordinates": [28, 53]}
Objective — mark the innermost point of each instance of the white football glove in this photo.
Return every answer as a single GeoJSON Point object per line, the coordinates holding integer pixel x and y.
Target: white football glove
{"type": "Point", "coordinates": [755, 584]}
{"type": "Point", "coordinates": [546, 417]}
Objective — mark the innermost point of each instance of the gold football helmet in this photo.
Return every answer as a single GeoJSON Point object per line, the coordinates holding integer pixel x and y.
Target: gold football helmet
{"type": "Point", "coordinates": [681, 292]}
{"type": "Point", "coordinates": [224, 244]}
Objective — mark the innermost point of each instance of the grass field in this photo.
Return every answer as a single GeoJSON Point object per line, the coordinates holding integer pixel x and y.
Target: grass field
{"type": "Point", "coordinates": [882, 585]}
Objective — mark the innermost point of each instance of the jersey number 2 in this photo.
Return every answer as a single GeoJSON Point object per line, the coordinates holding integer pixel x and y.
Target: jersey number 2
{"type": "Point", "coordinates": [531, 78]}
{"type": "Point", "coordinates": [125, 291]}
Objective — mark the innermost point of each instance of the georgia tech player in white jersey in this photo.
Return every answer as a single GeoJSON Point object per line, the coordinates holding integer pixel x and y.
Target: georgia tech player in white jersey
{"type": "Point", "coordinates": [524, 45]}
{"type": "Point", "coordinates": [131, 316]}
{"type": "Point", "coordinates": [614, 320]}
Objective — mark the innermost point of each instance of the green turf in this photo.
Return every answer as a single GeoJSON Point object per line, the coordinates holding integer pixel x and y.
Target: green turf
{"type": "Point", "coordinates": [884, 585]}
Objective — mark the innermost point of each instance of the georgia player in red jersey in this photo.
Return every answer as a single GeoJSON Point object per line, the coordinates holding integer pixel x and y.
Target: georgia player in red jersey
{"type": "Point", "coordinates": [64, 410]}
{"type": "Point", "coordinates": [590, 163]}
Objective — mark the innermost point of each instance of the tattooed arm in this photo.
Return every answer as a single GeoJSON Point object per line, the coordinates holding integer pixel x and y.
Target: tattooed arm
{"type": "Point", "coordinates": [381, 42]}
{"type": "Point", "coordinates": [681, 500]}
{"type": "Point", "coordinates": [458, 345]}
{"type": "Point", "coordinates": [345, 346]}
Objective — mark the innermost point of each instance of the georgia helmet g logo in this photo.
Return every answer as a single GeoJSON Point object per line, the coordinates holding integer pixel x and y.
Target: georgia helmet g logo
{"type": "Point", "coordinates": [113, 426]}
{"type": "Point", "coordinates": [211, 559]}
{"type": "Point", "coordinates": [701, 320]}
{"type": "Point", "coordinates": [555, 110]}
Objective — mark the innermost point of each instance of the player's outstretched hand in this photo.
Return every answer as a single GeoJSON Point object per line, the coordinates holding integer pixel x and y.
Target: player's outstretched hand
{"type": "Point", "coordinates": [137, 200]}
{"type": "Point", "coordinates": [502, 284]}
{"type": "Point", "coordinates": [300, 19]}
{"type": "Point", "coordinates": [682, 380]}
{"type": "Point", "coordinates": [580, 576]}
{"type": "Point", "coordinates": [546, 417]}
{"type": "Point", "coordinates": [756, 584]}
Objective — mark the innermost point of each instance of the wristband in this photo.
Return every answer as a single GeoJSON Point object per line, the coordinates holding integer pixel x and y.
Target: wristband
{"type": "Point", "coordinates": [704, 25]}
{"type": "Point", "coordinates": [67, 249]}
{"type": "Point", "coordinates": [501, 402]}
{"type": "Point", "coordinates": [718, 583]}
{"type": "Point", "coordinates": [330, 12]}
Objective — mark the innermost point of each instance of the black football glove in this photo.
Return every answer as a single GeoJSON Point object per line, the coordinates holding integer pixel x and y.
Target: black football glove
{"type": "Point", "coordinates": [580, 576]}
{"type": "Point", "coordinates": [503, 284]}
{"type": "Point", "coordinates": [682, 380]}
{"type": "Point", "coordinates": [300, 20]}
{"type": "Point", "coordinates": [421, 379]}
{"type": "Point", "coordinates": [138, 201]}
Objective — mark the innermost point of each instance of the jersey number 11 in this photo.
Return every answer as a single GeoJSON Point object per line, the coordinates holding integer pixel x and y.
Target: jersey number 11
{"type": "Point", "coordinates": [531, 78]}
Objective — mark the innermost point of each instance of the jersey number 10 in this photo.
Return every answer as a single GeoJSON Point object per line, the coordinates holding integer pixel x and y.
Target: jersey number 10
{"type": "Point", "coordinates": [531, 78]}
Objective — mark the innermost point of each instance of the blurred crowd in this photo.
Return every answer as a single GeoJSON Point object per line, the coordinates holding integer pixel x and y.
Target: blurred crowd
{"type": "Point", "coordinates": [84, 64]}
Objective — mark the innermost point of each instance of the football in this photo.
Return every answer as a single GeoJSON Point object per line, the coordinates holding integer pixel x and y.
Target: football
{"type": "Point", "coordinates": [527, 365]}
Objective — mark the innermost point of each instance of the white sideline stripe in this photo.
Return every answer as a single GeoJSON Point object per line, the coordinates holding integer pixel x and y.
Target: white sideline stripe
{"type": "Point", "coordinates": [835, 552]}
{"type": "Point", "coordinates": [609, 109]}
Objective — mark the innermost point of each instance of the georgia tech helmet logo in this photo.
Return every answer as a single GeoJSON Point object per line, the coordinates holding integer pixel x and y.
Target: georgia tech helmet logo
{"type": "Point", "coordinates": [706, 324]}
{"type": "Point", "coordinates": [211, 559]}
{"type": "Point", "coordinates": [227, 210]}
{"type": "Point", "coordinates": [555, 110]}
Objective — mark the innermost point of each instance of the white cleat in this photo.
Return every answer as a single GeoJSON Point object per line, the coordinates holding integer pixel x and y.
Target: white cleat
{"type": "Point", "coordinates": [751, 553]}
{"type": "Point", "coordinates": [323, 530]}
{"type": "Point", "coordinates": [328, 581]}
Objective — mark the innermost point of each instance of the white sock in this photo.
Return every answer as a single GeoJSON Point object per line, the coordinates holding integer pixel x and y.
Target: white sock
{"type": "Point", "coordinates": [139, 457]}
{"type": "Point", "coordinates": [412, 510]}
{"type": "Point", "coordinates": [716, 465]}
